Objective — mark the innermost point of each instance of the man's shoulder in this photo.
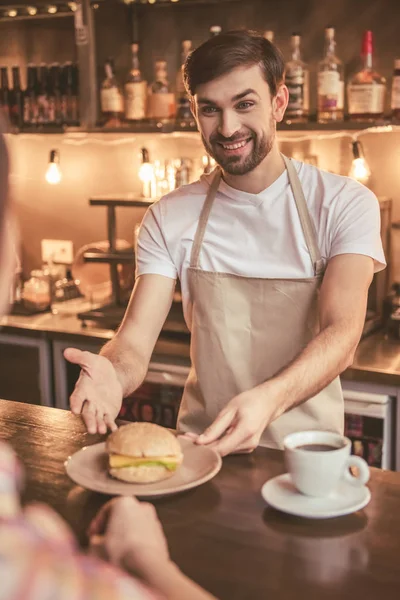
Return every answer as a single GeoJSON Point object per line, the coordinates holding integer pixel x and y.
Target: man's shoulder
{"type": "Point", "coordinates": [330, 186]}
{"type": "Point", "coordinates": [184, 195]}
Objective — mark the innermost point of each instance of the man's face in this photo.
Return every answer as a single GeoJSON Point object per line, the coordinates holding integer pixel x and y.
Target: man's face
{"type": "Point", "coordinates": [235, 115]}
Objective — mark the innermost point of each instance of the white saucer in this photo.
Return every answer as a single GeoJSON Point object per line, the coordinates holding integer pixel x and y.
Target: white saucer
{"type": "Point", "coordinates": [280, 493]}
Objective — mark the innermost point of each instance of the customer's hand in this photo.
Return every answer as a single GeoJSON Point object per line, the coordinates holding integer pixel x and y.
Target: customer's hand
{"type": "Point", "coordinates": [239, 426]}
{"type": "Point", "coordinates": [128, 533]}
{"type": "Point", "coordinates": [98, 393]}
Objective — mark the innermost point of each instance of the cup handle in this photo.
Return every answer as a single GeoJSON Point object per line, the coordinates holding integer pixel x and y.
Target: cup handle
{"type": "Point", "coordinates": [360, 463]}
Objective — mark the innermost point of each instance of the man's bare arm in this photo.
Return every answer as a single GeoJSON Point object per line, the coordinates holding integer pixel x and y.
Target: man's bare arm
{"type": "Point", "coordinates": [120, 368]}
{"type": "Point", "coordinates": [342, 308]}
{"type": "Point", "coordinates": [131, 348]}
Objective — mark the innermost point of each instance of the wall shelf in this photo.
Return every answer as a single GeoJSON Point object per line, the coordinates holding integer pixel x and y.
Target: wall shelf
{"type": "Point", "coordinates": [172, 127]}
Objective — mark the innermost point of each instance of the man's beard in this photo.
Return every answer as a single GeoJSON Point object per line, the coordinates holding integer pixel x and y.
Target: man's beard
{"type": "Point", "coordinates": [236, 165]}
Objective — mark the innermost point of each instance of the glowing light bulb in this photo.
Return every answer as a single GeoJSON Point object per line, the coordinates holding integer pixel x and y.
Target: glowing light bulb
{"type": "Point", "coordinates": [52, 10]}
{"type": "Point", "coordinates": [53, 173]}
{"type": "Point", "coordinates": [72, 6]}
{"type": "Point", "coordinates": [360, 170]}
{"type": "Point", "coordinates": [147, 175]}
{"type": "Point", "coordinates": [359, 167]}
{"type": "Point", "coordinates": [32, 10]}
{"type": "Point", "coordinates": [12, 12]}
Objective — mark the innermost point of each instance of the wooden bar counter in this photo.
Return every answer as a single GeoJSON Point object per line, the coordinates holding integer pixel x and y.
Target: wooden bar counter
{"type": "Point", "coordinates": [222, 534]}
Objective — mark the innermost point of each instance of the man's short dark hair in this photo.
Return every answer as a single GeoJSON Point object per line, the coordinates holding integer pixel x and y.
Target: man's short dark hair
{"type": "Point", "coordinates": [227, 51]}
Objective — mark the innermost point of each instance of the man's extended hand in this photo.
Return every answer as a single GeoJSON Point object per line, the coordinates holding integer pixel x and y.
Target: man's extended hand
{"type": "Point", "coordinates": [98, 393]}
{"type": "Point", "coordinates": [239, 426]}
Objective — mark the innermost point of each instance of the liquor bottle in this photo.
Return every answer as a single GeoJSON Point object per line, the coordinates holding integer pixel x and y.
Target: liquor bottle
{"type": "Point", "coordinates": [111, 99]}
{"type": "Point", "coordinates": [366, 89]}
{"type": "Point", "coordinates": [269, 35]}
{"type": "Point", "coordinates": [41, 95]}
{"type": "Point", "coordinates": [135, 90]}
{"type": "Point", "coordinates": [330, 90]}
{"type": "Point", "coordinates": [161, 102]}
{"type": "Point", "coordinates": [395, 98]}
{"type": "Point", "coordinates": [54, 94]}
{"type": "Point", "coordinates": [183, 113]}
{"type": "Point", "coordinates": [16, 99]}
{"type": "Point", "coordinates": [215, 30]}
{"type": "Point", "coordinates": [30, 101]}
{"type": "Point", "coordinates": [4, 93]}
{"type": "Point", "coordinates": [297, 82]}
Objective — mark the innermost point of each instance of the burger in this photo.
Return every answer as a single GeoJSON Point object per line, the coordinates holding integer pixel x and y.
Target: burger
{"type": "Point", "coordinates": [143, 453]}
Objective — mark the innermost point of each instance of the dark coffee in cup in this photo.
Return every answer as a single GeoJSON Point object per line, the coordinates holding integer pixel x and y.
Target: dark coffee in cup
{"type": "Point", "coordinates": [318, 447]}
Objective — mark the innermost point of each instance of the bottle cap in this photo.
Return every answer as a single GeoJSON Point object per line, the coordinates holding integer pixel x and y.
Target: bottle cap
{"type": "Point", "coordinates": [367, 43]}
{"type": "Point", "coordinates": [330, 33]}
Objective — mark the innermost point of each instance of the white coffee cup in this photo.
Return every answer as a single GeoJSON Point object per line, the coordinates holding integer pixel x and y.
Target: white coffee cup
{"type": "Point", "coordinates": [316, 471]}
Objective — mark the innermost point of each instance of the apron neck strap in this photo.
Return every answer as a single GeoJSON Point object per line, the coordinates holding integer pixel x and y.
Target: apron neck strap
{"type": "Point", "coordinates": [307, 223]}
{"type": "Point", "coordinates": [205, 212]}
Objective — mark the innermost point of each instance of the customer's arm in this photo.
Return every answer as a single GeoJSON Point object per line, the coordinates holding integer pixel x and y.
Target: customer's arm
{"type": "Point", "coordinates": [123, 362]}
{"type": "Point", "coordinates": [128, 534]}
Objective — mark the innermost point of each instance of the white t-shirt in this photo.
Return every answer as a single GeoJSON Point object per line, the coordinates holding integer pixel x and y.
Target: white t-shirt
{"type": "Point", "coordinates": [259, 235]}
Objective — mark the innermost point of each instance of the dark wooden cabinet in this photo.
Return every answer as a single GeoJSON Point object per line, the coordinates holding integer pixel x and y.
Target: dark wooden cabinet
{"type": "Point", "coordinates": [25, 369]}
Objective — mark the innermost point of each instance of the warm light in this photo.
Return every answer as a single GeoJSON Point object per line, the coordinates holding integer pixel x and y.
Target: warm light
{"type": "Point", "coordinates": [359, 167]}
{"type": "Point", "coordinates": [147, 175]}
{"type": "Point", "coordinates": [269, 35]}
{"type": "Point", "coordinates": [53, 173]}
{"type": "Point", "coordinates": [151, 1]}
{"type": "Point", "coordinates": [174, 0]}
{"type": "Point", "coordinates": [52, 10]}
{"type": "Point", "coordinates": [12, 12]}
{"type": "Point", "coordinates": [73, 6]}
{"type": "Point", "coordinates": [32, 10]}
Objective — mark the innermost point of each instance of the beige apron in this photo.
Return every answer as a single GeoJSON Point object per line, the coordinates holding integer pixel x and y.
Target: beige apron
{"type": "Point", "coordinates": [246, 329]}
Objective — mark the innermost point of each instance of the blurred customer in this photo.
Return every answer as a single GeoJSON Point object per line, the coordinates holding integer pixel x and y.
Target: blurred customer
{"type": "Point", "coordinates": [39, 557]}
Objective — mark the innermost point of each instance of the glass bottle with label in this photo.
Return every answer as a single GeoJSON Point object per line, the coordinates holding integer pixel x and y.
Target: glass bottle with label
{"type": "Point", "coordinates": [54, 94]}
{"type": "Point", "coordinates": [330, 82]}
{"type": "Point", "coordinates": [42, 94]}
{"type": "Point", "coordinates": [297, 82]}
{"type": "Point", "coordinates": [366, 89]}
{"type": "Point", "coordinates": [111, 99]}
{"type": "Point", "coordinates": [30, 100]}
{"type": "Point", "coordinates": [16, 99]}
{"type": "Point", "coordinates": [395, 99]}
{"type": "Point", "coordinates": [161, 101]}
{"type": "Point", "coordinates": [183, 113]}
{"type": "Point", "coordinates": [135, 90]}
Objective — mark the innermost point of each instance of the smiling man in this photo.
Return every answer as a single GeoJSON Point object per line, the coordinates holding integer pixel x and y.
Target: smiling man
{"type": "Point", "coordinates": [274, 256]}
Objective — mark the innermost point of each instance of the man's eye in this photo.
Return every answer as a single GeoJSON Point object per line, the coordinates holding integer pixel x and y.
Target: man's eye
{"type": "Point", "coordinates": [208, 110]}
{"type": "Point", "coordinates": [244, 105]}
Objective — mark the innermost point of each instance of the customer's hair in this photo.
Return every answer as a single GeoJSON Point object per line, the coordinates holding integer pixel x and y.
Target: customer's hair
{"type": "Point", "coordinates": [227, 51]}
{"type": "Point", "coordinates": [4, 164]}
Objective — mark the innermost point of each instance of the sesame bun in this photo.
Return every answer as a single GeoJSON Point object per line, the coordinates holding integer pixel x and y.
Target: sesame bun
{"type": "Point", "coordinates": [144, 440]}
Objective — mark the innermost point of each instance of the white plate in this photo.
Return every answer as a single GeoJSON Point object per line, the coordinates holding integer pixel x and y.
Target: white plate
{"type": "Point", "coordinates": [88, 468]}
{"type": "Point", "coordinates": [280, 493]}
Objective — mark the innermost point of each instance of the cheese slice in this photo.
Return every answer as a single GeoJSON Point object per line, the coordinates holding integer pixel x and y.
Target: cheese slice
{"type": "Point", "coordinates": [119, 461]}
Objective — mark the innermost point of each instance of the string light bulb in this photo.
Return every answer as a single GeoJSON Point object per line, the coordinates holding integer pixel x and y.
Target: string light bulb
{"type": "Point", "coordinates": [72, 6]}
{"type": "Point", "coordinates": [32, 10]}
{"type": "Point", "coordinates": [147, 175]}
{"type": "Point", "coordinates": [359, 167]}
{"type": "Point", "coordinates": [12, 13]}
{"type": "Point", "coordinates": [53, 173]}
{"type": "Point", "coordinates": [52, 9]}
